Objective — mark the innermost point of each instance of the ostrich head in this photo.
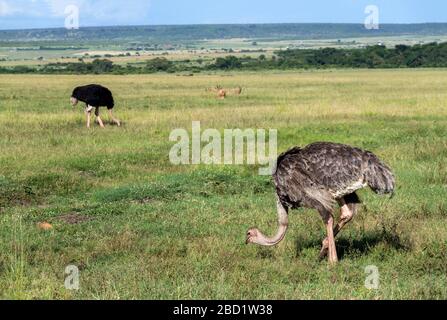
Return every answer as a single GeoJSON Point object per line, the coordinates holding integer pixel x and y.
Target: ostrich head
{"type": "Point", "coordinates": [253, 236]}
{"type": "Point", "coordinates": [73, 101]}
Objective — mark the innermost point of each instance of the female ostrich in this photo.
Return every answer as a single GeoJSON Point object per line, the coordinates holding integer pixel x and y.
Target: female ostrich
{"type": "Point", "coordinates": [94, 96]}
{"type": "Point", "coordinates": [316, 177]}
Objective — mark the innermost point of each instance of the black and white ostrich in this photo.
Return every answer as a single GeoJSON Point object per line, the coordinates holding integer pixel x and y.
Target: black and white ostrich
{"type": "Point", "coordinates": [317, 177]}
{"type": "Point", "coordinates": [94, 96]}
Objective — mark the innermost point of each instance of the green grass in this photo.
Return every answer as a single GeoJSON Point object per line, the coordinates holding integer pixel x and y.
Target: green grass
{"type": "Point", "coordinates": [152, 230]}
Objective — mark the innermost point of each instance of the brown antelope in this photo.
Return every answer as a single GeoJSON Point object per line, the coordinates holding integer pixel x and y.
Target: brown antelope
{"type": "Point", "coordinates": [238, 91]}
{"type": "Point", "coordinates": [222, 93]}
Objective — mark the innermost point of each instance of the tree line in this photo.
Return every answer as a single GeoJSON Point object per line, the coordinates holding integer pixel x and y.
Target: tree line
{"type": "Point", "coordinates": [401, 56]}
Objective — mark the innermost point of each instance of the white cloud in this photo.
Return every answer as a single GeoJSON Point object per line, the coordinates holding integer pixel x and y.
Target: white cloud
{"type": "Point", "coordinates": [57, 7]}
{"type": "Point", "coordinates": [102, 9]}
{"type": "Point", "coordinates": [22, 7]}
{"type": "Point", "coordinates": [92, 12]}
{"type": "Point", "coordinates": [6, 9]}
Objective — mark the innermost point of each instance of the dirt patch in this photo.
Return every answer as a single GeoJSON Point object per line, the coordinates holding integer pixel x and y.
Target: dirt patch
{"type": "Point", "coordinates": [73, 218]}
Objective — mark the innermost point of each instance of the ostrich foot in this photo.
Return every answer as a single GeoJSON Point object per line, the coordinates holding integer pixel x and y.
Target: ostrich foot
{"type": "Point", "coordinates": [325, 252]}
{"type": "Point", "coordinates": [324, 249]}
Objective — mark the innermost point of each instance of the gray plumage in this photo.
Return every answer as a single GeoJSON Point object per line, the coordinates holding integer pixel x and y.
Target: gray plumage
{"type": "Point", "coordinates": [319, 176]}
{"type": "Point", "coordinates": [322, 173]}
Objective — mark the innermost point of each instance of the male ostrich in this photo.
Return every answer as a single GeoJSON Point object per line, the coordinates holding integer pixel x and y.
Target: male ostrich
{"type": "Point", "coordinates": [316, 177]}
{"type": "Point", "coordinates": [94, 96]}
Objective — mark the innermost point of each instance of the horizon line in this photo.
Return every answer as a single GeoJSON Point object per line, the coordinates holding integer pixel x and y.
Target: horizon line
{"type": "Point", "coordinates": [221, 24]}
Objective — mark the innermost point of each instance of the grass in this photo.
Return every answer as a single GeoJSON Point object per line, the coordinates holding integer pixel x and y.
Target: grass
{"type": "Point", "coordinates": [139, 227]}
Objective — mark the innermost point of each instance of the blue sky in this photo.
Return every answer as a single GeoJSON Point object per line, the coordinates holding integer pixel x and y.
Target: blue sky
{"type": "Point", "coordinates": [16, 14]}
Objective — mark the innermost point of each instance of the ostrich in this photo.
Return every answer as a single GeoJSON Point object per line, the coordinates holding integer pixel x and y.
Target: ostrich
{"type": "Point", "coordinates": [317, 177]}
{"type": "Point", "coordinates": [94, 96]}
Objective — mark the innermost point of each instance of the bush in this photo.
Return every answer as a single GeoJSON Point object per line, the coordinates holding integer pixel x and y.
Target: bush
{"type": "Point", "coordinates": [230, 62]}
{"type": "Point", "coordinates": [102, 66]}
{"type": "Point", "coordinates": [159, 64]}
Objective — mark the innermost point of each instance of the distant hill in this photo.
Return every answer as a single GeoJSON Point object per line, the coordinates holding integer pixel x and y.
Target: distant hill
{"type": "Point", "coordinates": [200, 32]}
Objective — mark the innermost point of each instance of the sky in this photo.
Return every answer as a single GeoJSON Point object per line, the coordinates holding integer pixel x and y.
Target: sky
{"type": "Point", "coordinates": [24, 14]}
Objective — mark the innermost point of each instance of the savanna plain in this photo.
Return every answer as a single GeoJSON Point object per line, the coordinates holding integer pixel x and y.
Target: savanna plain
{"type": "Point", "coordinates": [139, 227]}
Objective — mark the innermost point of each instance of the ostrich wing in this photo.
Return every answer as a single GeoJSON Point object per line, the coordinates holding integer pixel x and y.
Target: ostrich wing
{"type": "Point", "coordinates": [318, 174]}
{"type": "Point", "coordinates": [294, 186]}
{"type": "Point", "coordinates": [337, 168]}
{"type": "Point", "coordinates": [94, 95]}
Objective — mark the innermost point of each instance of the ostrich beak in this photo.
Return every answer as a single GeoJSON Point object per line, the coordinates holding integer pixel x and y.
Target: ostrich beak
{"type": "Point", "coordinates": [250, 234]}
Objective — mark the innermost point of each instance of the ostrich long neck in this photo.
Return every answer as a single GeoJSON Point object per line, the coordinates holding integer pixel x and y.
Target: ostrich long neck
{"type": "Point", "coordinates": [283, 221]}
{"type": "Point", "coordinates": [269, 242]}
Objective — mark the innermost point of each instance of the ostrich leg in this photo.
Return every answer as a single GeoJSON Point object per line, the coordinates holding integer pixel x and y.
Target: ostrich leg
{"type": "Point", "coordinates": [101, 124]}
{"type": "Point", "coordinates": [328, 219]}
{"type": "Point", "coordinates": [89, 116]}
{"type": "Point", "coordinates": [348, 211]}
{"type": "Point", "coordinates": [115, 120]}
